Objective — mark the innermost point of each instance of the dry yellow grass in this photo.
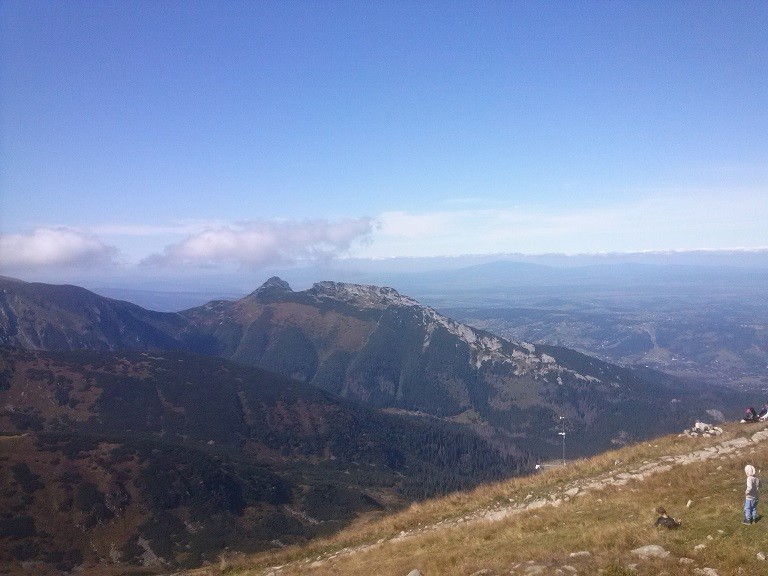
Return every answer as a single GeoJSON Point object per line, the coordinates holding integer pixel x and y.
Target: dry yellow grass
{"type": "Point", "coordinates": [445, 537]}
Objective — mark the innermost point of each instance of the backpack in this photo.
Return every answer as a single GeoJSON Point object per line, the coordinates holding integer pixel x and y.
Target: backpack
{"type": "Point", "coordinates": [667, 522]}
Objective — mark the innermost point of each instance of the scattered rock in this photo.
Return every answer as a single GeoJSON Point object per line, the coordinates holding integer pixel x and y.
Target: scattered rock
{"type": "Point", "coordinates": [415, 572]}
{"type": "Point", "coordinates": [699, 546]}
{"type": "Point", "coordinates": [703, 429]}
{"type": "Point", "coordinates": [760, 436]}
{"type": "Point", "coordinates": [687, 560]}
{"type": "Point", "coordinates": [705, 572]}
{"type": "Point", "coordinates": [148, 557]}
{"type": "Point", "coordinates": [581, 554]}
{"type": "Point", "coordinates": [651, 551]}
{"type": "Point", "coordinates": [761, 556]}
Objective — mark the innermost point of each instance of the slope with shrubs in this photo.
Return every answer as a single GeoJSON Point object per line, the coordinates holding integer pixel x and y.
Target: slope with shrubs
{"type": "Point", "coordinates": [118, 461]}
{"type": "Point", "coordinates": [587, 518]}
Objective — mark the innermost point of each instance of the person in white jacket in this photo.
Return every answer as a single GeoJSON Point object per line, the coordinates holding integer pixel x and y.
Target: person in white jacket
{"type": "Point", "coordinates": [752, 495]}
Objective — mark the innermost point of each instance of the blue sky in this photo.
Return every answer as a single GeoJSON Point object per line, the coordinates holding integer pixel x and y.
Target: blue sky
{"type": "Point", "coordinates": [169, 137]}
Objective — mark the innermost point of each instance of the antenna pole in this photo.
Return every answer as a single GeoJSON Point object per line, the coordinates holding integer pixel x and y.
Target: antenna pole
{"type": "Point", "coordinates": [562, 433]}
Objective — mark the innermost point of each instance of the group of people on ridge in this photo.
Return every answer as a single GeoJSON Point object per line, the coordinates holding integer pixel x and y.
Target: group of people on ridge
{"type": "Point", "coordinates": [752, 416]}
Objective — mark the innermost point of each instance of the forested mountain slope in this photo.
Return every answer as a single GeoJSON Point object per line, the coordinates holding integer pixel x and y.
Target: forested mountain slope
{"type": "Point", "coordinates": [120, 459]}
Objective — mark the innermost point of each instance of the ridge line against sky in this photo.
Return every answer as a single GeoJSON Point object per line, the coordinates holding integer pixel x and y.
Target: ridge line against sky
{"type": "Point", "coordinates": [178, 136]}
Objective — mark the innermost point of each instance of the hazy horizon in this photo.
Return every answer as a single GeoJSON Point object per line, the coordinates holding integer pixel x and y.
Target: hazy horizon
{"type": "Point", "coordinates": [236, 281]}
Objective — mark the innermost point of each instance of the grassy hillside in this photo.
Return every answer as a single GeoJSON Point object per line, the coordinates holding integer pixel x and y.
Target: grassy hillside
{"type": "Point", "coordinates": [585, 518]}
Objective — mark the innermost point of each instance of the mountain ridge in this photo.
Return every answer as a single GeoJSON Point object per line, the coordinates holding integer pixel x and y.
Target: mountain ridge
{"type": "Point", "coordinates": [373, 345]}
{"type": "Point", "coordinates": [379, 347]}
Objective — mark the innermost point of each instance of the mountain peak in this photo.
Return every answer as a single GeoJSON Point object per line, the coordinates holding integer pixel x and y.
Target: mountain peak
{"type": "Point", "coordinates": [272, 287]}
{"type": "Point", "coordinates": [362, 295]}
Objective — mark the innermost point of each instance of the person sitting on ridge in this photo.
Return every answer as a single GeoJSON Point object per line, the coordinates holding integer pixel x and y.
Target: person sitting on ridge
{"type": "Point", "coordinates": [750, 415]}
{"type": "Point", "coordinates": [666, 520]}
{"type": "Point", "coordinates": [763, 413]}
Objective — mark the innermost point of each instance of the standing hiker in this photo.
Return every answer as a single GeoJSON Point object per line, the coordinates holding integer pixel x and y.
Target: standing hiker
{"type": "Point", "coordinates": [751, 494]}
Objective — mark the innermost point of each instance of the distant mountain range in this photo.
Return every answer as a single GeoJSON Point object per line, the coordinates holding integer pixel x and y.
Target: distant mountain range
{"type": "Point", "coordinates": [415, 276]}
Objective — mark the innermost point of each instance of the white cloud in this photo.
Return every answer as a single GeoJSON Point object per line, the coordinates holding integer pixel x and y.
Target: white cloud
{"type": "Point", "coordinates": [177, 228]}
{"type": "Point", "coordinates": [50, 247]}
{"type": "Point", "coordinates": [660, 220]}
{"type": "Point", "coordinates": [653, 220]}
{"type": "Point", "coordinates": [259, 244]}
